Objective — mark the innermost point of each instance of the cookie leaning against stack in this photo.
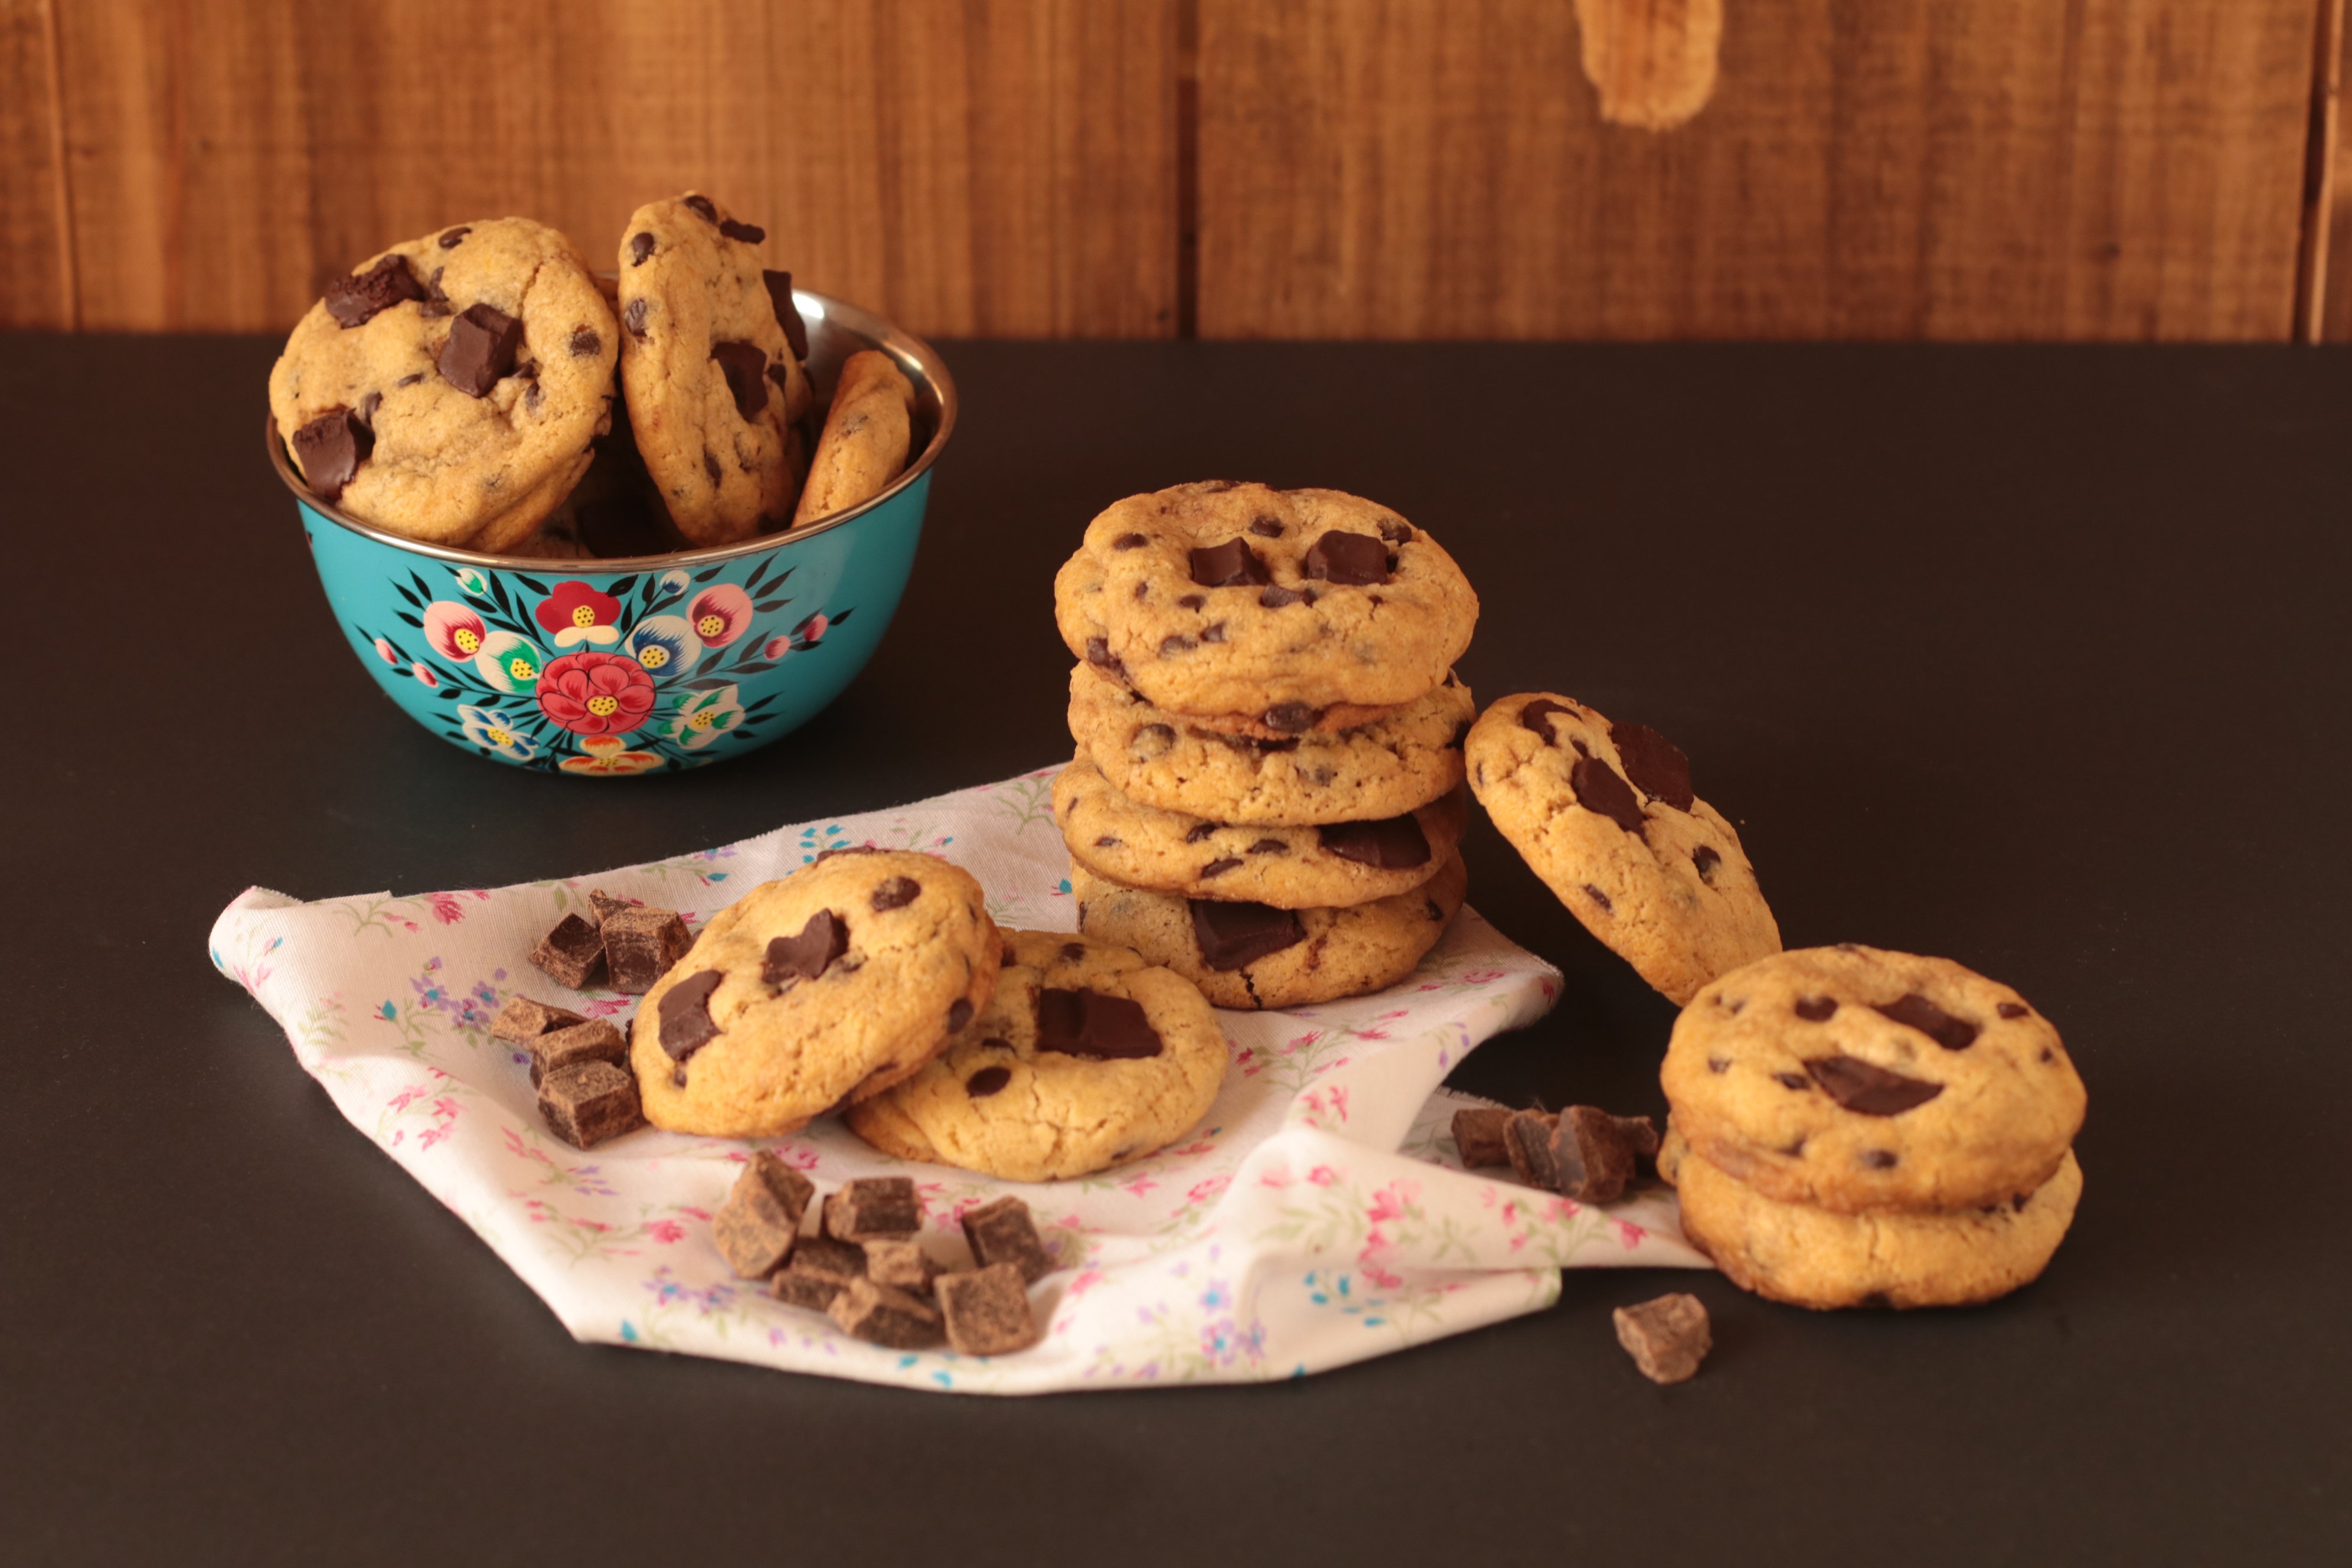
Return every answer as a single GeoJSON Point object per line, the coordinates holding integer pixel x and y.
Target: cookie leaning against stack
{"type": "Point", "coordinates": [1267, 792]}
{"type": "Point", "coordinates": [1853, 1127]}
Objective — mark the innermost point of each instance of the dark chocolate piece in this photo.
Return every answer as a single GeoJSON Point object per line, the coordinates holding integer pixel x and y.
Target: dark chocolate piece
{"type": "Point", "coordinates": [1537, 716]}
{"type": "Point", "coordinates": [1003, 1232]}
{"type": "Point", "coordinates": [987, 1310]}
{"type": "Point", "coordinates": [1228, 566]}
{"type": "Point", "coordinates": [1880, 1159]}
{"type": "Point", "coordinates": [1917, 1012]}
{"type": "Point", "coordinates": [1098, 653]}
{"type": "Point", "coordinates": [825, 938]}
{"type": "Point", "coordinates": [641, 944]}
{"type": "Point", "coordinates": [480, 352]}
{"type": "Point", "coordinates": [1526, 1143]}
{"type": "Point", "coordinates": [1593, 1152]}
{"type": "Point", "coordinates": [1265, 528]}
{"type": "Point", "coordinates": [1667, 1338]}
{"type": "Point", "coordinates": [522, 1020]}
{"type": "Point", "coordinates": [742, 365]}
{"type": "Point", "coordinates": [684, 1014]}
{"type": "Point", "coordinates": [1199, 831]}
{"type": "Point", "coordinates": [702, 206]}
{"type": "Point", "coordinates": [1868, 1089]}
{"type": "Point", "coordinates": [450, 236]}
{"type": "Point", "coordinates": [641, 245]}
{"type": "Point", "coordinates": [2012, 1009]}
{"type": "Point", "coordinates": [787, 314]}
{"type": "Point", "coordinates": [1599, 789]}
{"type": "Point", "coordinates": [1351, 559]}
{"type": "Point", "coordinates": [588, 1102]}
{"type": "Point", "coordinates": [1396, 530]}
{"type": "Point", "coordinates": [901, 1263]}
{"type": "Point", "coordinates": [1236, 935]}
{"type": "Point", "coordinates": [748, 233]}
{"type": "Point", "coordinates": [987, 1082]}
{"type": "Point", "coordinates": [1478, 1135]}
{"type": "Point", "coordinates": [1393, 844]}
{"type": "Point", "coordinates": [757, 1226]}
{"type": "Point", "coordinates": [1278, 597]}
{"type": "Point", "coordinates": [604, 906]}
{"type": "Point", "coordinates": [874, 1206]}
{"type": "Point", "coordinates": [1292, 718]}
{"type": "Point", "coordinates": [1598, 896]}
{"type": "Point", "coordinates": [1817, 1009]}
{"type": "Point", "coordinates": [354, 300]}
{"type": "Point", "coordinates": [960, 1012]}
{"type": "Point", "coordinates": [1130, 542]}
{"type": "Point", "coordinates": [1655, 765]}
{"type": "Point", "coordinates": [1090, 1023]}
{"type": "Point", "coordinates": [572, 954]}
{"type": "Point", "coordinates": [886, 1316]}
{"type": "Point", "coordinates": [590, 1040]}
{"type": "Point", "coordinates": [897, 894]}
{"type": "Point", "coordinates": [633, 316]}
{"type": "Point", "coordinates": [1707, 861]}
{"type": "Point", "coordinates": [1220, 865]}
{"type": "Point", "coordinates": [330, 450]}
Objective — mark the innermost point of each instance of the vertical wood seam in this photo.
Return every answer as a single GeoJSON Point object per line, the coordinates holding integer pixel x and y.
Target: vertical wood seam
{"type": "Point", "coordinates": [1188, 168]}
{"type": "Point", "coordinates": [2310, 304]}
{"type": "Point", "coordinates": [62, 172]}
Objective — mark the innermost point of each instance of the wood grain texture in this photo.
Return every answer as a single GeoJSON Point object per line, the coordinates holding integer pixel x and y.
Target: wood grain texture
{"type": "Point", "coordinates": [2095, 169]}
{"type": "Point", "coordinates": [993, 166]}
{"type": "Point", "coordinates": [2328, 256]}
{"type": "Point", "coordinates": [36, 237]}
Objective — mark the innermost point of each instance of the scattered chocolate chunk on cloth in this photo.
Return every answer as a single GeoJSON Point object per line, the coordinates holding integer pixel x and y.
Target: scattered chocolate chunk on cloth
{"type": "Point", "coordinates": [588, 1102]}
{"type": "Point", "coordinates": [987, 1310]}
{"type": "Point", "coordinates": [522, 1020]}
{"type": "Point", "coordinates": [1478, 1136]}
{"type": "Point", "coordinates": [1667, 1338]}
{"type": "Point", "coordinates": [874, 1207]}
{"type": "Point", "coordinates": [590, 1040]}
{"type": "Point", "coordinates": [886, 1315]}
{"type": "Point", "coordinates": [572, 954]}
{"type": "Point", "coordinates": [1209, 1244]}
{"type": "Point", "coordinates": [641, 944]}
{"type": "Point", "coordinates": [904, 1264]}
{"type": "Point", "coordinates": [756, 1227]}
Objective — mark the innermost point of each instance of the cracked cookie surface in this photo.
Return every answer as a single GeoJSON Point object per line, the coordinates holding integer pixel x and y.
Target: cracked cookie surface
{"type": "Point", "coordinates": [812, 992]}
{"type": "Point", "coordinates": [1605, 815]}
{"type": "Point", "coordinates": [866, 431]}
{"type": "Point", "coordinates": [449, 388]}
{"type": "Point", "coordinates": [1041, 1087]}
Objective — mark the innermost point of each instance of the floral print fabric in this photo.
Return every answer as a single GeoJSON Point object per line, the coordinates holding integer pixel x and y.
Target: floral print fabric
{"type": "Point", "coordinates": [1317, 1217]}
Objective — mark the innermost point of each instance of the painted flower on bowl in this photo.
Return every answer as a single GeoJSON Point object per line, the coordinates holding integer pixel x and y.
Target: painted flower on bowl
{"type": "Point", "coordinates": [663, 644]}
{"type": "Point", "coordinates": [575, 613]}
{"type": "Point", "coordinates": [509, 662]}
{"type": "Point", "coordinates": [670, 584]}
{"type": "Point", "coordinates": [432, 682]}
{"type": "Point", "coordinates": [608, 756]}
{"type": "Point", "coordinates": [384, 651]}
{"type": "Point", "coordinates": [455, 632]}
{"type": "Point", "coordinates": [698, 717]}
{"type": "Point", "coordinates": [488, 728]}
{"type": "Point", "coordinates": [470, 579]}
{"type": "Point", "coordinates": [595, 693]}
{"type": "Point", "coordinates": [720, 614]}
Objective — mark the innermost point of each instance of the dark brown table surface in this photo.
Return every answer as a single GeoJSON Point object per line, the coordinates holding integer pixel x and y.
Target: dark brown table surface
{"type": "Point", "coordinates": [2033, 658]}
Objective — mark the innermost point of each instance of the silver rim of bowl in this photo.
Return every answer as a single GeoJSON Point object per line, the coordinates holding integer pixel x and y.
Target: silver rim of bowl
{"type": "Point", "coordinates": [917, 358]}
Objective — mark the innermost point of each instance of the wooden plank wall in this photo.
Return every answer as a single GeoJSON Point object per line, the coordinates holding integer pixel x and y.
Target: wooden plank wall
{"type": "Point", "coordinates": [2050, 169]}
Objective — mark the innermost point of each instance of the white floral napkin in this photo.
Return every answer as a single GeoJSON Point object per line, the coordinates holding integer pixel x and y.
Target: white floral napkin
{"type": "Point", "coordinates": [1317, 1217]}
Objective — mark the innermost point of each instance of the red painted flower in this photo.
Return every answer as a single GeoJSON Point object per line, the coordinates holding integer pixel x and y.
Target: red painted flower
{"type": "Point", "coordinates": [596, 693]}
{"type": "Point", "coordinates": [576, 612]}
{"type": "Point", "coordinates": [720, 614]}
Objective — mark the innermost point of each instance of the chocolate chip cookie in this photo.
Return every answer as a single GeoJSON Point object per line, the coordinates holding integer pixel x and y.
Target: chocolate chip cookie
{"type": "Point", "coordinates": [1864, 1081]}
{"type": "Point", "coordinates": [1382, 769]}
{"type": "Point", "coordinates": [448, 389]}
{"type": "Point", "coordinates": [867, 430]}
{"type": "Point", "coordinates": [1253, 955]}
{"type": "Point", "coordinates": [710, 360]}
{"type": "Point", "coordinates": [815, 991]}
{"type": "Point", "coordinates": [1085, 1058]}
{"type": "Point", "coordinates": [1605, 815]}
{"type": "Point", "coordinates": [1289, 868]}
{"type": "Point", "coordinates": [1263, 611]}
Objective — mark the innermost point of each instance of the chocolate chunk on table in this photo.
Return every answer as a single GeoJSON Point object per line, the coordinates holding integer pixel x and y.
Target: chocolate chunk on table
{"type": "Point", "coordinates": [641, 944]}
{"type": "Point", "coordinates": [1667, 1338]}
{"type": "Point", "coordinates": [756, 1227]}
{"type": "Point", "coordinates": [1526, 1143]}
{"type": "Point", "coordinates": [522, 1020]}
{"type": "Point", "coordinates": [987, 1310]}
{"type": "Point", "coordinates": [886, 1316]}
{"type": "Point", "coordinates": [1478, 1135]}
{"type": "Point", "coordinates": [1003, 1232]}
{"type": "Point", "coordinates": [820, 1269]}
{"type": "Point", "coordinates": [1593, 1154]}
{"type": "Point", "coordinates": [874, 1207]}
{"type": "Point", "coordinates": [590, 1040]}
{"type": "Point", "coordinates": [588, 1102]}
{"type": "Point", "coordinates": [572, 954]}
{"type": "Point", "coordinates": [904, 1264]}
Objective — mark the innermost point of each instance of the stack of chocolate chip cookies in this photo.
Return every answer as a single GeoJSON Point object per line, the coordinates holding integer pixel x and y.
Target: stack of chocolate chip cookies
{"type": "Point", "coordinates": [1267, 794]}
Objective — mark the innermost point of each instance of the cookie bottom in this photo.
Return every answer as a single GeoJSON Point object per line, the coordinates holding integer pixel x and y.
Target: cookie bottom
{"type": "Point", "coordinates": [1811, 1257]}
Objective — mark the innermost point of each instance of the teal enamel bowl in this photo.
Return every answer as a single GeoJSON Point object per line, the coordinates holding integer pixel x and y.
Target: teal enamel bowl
{"type": "Point", "coordinates": [607, 668]}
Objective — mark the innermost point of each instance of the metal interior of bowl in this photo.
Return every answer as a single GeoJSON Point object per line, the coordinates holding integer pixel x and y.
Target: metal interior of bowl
{"type": "Point", "coordinates": [836, 330]}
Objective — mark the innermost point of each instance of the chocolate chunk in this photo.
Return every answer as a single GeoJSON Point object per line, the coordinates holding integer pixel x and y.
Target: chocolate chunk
{"type": "Point", "coordinates": [590, 1040]}
{"type": "Point", "coordinates": [1269, 846]}
{"type": "Point", "coordinates": [821, 1269]}
{"type": "Point", "coordinates": [1667, 1338]}
{"type": "Point", "coordinates": [886, 1316]}
{"type": "Point", "coordinates": [787, 314]}
{"type": "Point", "coordinates": [958, 1013]}
{"type": "Point", "coordinates": [987, 1082]}
{"type": "Point", "coordinates": [1880, 1159]}
{"type": "Point", "coordinates": [684, 1014]}
{"type": "Point", "coordinates": [748, 233]}
{"type": "Point", "coordinates": [641, 245]}
{"type": "Point", "coordinates": [641, 943]}
{"type": "Point", "coordinates": [1655, 765]}
{"type": "Point", "coordinates": [1396, 530]}
{"type": "Point", "coordinates": [1598, 896]}
{"type": "Point", "coordinates": [605, 906]}
{"type": "Point", "coordinates": [1351, 559]}
{"type": "Point", "coordinates": [1526, 1143]}
{"type": "Point", "coordinates": [1193, 601]}
{"type": "Point", "coordinates": [1003, 1232]}
{"type": "Point", "coordinates": [1707, 861]}
{"type": "Point", "coordinates": [1393, 843]}
{"type": "Point", "coordinates": [1228, 566]}
{"type": "Point", "coordinates": [873, 1206]}
{"type": "Point", "coordinates": [1593, 1154]}
{"type": "Point", "coordinates": [1237, 935]}
{"type": "Point", "coordinates": [1291, 718]}
{"type": "Point", "coordinates": [702, 206]}
{"type": "Point", "coordinates": [741, 364]}
{"type": "Point", "coordinates": [633, 316]}
{"type": "Point", "coordinates": [896, 893]}
{"type": "Point", "coordinates": [1150, 741]}
{"type": "Point", "coordinates": [330, 450]}
{"type": "Point", "coordinates": [451, 237]}
{"type": "Point", "coordinates": [1817, 1009]}
{"type": "Point", "coordinates": [1537, 716]}
{"type": "Point", "coordinates": [1478, 1135]}
{"type": "Point", "coordinates": [710, 464]}
{"type": "Point", "coordinates": [1275, 597]}
{"type": "Point", "coordinates": [354, 301]}
{"type": "Point", "coordinates": [1788, 1080]}
{"type": "Point", "coordinates": [572, 954]}
{"type": "Point", "coordinates": [1072, 952]}
{"type": "Point", "coordinates": [1107, 841]}
{"type": "Point", "coordinates": [1599, 789]}
{"type": "Point", "coordinates": [1220, 865]}
{"type": "Point", "coordinates": [1265, 528]}
{"type": "Point", "coordinates": [522, 1020]}
{"type": "Point", "coordinates": [588, 1102]}
{"type": "Point", "coordinates": [757, 1226]}
{"type": "Point", "coordinates": [1098, 653]}
{"type": "Point", "coordinates": [1090, 1023]}
{"type": "Point", "coordinates": [1868, 1089]}
{"type": "Point", "coordinates": [480, 352]}
{"type": "Point", "coordinates": [368, 406]}
{"type": "Point", "coordinates": [2012, 1009]}
{"type": "Point", "coordinates": [987, 1311]}
{"type": "Point", "coordinates": [411, 379]}
{"type": "Point", "coordinates": [1916, 1012]}
{"type": "Point", "coordinates": [1171, 646]}
{"type": "Point", "coordinates": [585, 343]}
{"type": "Point", "coordinates": [1130, 542]}
{"type": "Point", "coordinates": [825, 938]}
{"type": "Point", "coordinates": [902, 1264]}
{"type": "Point", "coordinates": [1214, 632]}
